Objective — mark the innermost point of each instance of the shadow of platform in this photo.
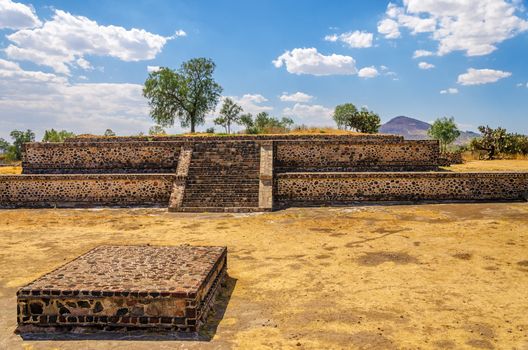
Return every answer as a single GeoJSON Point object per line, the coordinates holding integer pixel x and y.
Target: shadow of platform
{"type": "Point", "coordinates": [206, 333]}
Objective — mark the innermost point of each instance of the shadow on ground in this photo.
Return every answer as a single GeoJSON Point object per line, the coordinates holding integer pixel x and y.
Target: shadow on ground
{"type": "Point", "coordinates": [206, 333]}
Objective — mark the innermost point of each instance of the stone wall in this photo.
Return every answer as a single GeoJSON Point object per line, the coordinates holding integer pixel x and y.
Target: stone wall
{"type": "Point", "coordinates": [355, 156]}
{"type": "Point", "coordinates": [306, 137]}
{"type": "Point", "coordinates": [92, 157]}
{"type": "Point", "coordinates": [342, 188]}
{"type": "Point", "coordinates": [88, 190]}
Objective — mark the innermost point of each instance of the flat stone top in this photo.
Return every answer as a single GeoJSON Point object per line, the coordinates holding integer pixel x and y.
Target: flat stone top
{"type": "Point", "coordinates": [111, 270]}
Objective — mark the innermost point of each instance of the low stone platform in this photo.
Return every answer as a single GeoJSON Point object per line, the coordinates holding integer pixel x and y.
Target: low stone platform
{"type": "Point", "coordinates": [125, 288]}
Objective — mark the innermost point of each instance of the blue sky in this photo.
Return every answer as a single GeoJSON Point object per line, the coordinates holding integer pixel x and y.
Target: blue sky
{"type": "Point", "coordinates": [79, 65]}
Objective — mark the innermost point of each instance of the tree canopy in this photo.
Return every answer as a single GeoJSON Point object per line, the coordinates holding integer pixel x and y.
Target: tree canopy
{"type": "Point", "coordinates": [188, 93]}
{"type": "Point", "coordinates": [19, 138]}
{"type": "Point", "coordinates": [348, 117]}
{"type": "Point", "coordinates": [56, 136]}
{"type": "Point", "coordinates": [157, 130]}
{"type": "Point", "coordinates": [229, 114]}
{"type": "Point", "coordinates": [445, 130]}
{"type": "Point", "coordinates": [264, 123]}
{"type": "Point", "coordinates": [499, 141]}
{"type": "Point", "coordinates": [109, 132]}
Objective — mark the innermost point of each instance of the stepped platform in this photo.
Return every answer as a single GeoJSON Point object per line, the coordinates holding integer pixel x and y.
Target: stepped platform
{"type": "Point", "coordinates": [342, 188]}
{"type": "Point", "coordinates": [125, 288]}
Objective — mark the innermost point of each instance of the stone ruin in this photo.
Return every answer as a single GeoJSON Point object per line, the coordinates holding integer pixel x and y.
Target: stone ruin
{"type": "Point", "coordinates": [116, 288]}
{"type": "Point", "coordinates": [244, 173]}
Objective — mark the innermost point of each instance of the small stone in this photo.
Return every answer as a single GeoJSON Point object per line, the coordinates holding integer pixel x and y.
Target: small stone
{"type": "Point", "coordinates": [98, 307]}
{"type": "Point", "coordinates": [36, 308]}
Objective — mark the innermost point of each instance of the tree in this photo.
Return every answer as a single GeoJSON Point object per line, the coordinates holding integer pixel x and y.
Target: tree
{"type": "Point", "coordinates": [56, 136]}
{"type": "Point", "coordinates": [4, 145]}
{"type": "Point", "coordinates": [492, 140]}
{"type": "Point", "coordinates": [157, 130]}
{"type": "Point", "coordinates": [19, 138]}
{"type": "Point", "coordinates": [345, 115]}
{"type": "Point", "coordinates": [109, 132]}
{"type": "Point", "coordinates": [188, 93]}
{"type": "Point", "coordinates": [367, 121]}
{"type": "Point", "coordinates": [445, 130]}
{"type": "Point", "coordinates": [229, 114]}
{"type": "Point", "coordinates": [265, 124]}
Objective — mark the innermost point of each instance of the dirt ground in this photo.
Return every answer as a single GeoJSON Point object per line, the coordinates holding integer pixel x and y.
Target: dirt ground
{"type": "Point", "coordinates": [445, 276]}
{"type": "Point", "coordinates": [491, 165]}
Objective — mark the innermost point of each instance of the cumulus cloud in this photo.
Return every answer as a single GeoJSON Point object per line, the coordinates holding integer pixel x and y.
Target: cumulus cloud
{"type": "Point", "coordinates": [314, 114]}
{"type": "Point", "coordinates": [252, 103]}
{"type": "Point", "coordinates": [449, 91]}
{"type": "Point", "coordinates": [14, 15]}
{"type": "Point", "coordinates": [38, 100]}
{"type": "Point", "coordinates": [64, 41]}
{"type": "Point", "coordinates": [356, 39]}
{"type": "Point", "coordinates": [473, 26]}
{"type": "Point", "coordinates": [425, 65]}
{"type": "Point", "coordinates": [151, 69]}
{"type": "Point", "coordinates": [368, 72]}
{"type": "Point", "coordinates": [422, 53]}
{"type": "Point", "coordinates": [296, 97]}
{"type": "Point", "coordinates": [389, 28]}
{"type": "Point", "coordinates": [481, 76]}
{"type": "Point", "coordinates": [310, 61]}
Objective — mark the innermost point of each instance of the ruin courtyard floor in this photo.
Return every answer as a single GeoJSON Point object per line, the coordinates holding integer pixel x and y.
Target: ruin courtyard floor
{"type": "Point", "coordinates": [447, 276]}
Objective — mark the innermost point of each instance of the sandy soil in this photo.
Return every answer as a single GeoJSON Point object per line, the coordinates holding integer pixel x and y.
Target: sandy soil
{"type": "Point", "coordinates": [491, 165]}
{"type": "Point", "coordinates": [10, 170]}
{"type": "Point", "coordinates": [446, 276]}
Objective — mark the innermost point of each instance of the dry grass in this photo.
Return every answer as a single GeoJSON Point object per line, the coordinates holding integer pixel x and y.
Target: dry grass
{"type": "Point", "coordinates": [10, 170]}
{"type": "Point", "coordinates": [373, 277]}
{"type": "Point", "coordinates": [490, 165]}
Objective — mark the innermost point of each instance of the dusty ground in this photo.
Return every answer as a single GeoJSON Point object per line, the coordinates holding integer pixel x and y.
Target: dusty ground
{"type": "Point", "coordinates": [446, 276]}
{"type": "Point", "coordinates": [10, 170]}
{"type": "Point", "coordinates": [491, 165]}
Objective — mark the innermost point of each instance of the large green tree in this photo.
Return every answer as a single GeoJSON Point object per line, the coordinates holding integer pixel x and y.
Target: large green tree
{"type": "Point", "coordinates": [188, 93]}
{"type": "Point", "coordinates": [56, 136]}
{"type": "Point", "coordinates": [19, 138]}
{"type": "Point", "coordinates": [263, 123]}
{"type": "Point", "coordinates": [229, 114]}
{"type": "Point", "coordinates": [445, 130]}
{"type": "Point", "coordinates": [4, 145]}
{"type": "Point", "coordinates": [345, 115]}
{"type": "Point", "coordinates": [348, 117]}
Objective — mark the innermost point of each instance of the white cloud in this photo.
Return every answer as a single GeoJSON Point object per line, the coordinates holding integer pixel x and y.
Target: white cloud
{"type": "Point", "coordinates": [65, 40]}
{"type": "Point", "coordinates": [315, 114]}
{"type": "Point", "coordinates": [39, 101]}
{"type": "Point", "coordinates": [389, 28]}
{"type": "Point", "coordinates": [296, 97]}
{"type": "Point", "coordinates": [473, 26]}
{"type": "Point", "coordinates": [178, 33]}
{"type": "Point", "coordinates": [14, 15]}
{"type": "Point", "coordinates": [252, 103]}
{"type": "Point", "coordinates": [356, 39]}
{"type": "Point", "coordinates": [151, 69]}
{"type": "Point", "coordinates": [368, 72]}
{"type": "Point", "coordinates": [481, 76]}
{"type": "Point", "coordinates": [309, 61]}
{"type": "Point", "coordinates": [422, 53]}
{"type": "Point", "coordinates": [425, 65]}
{"type": "Point", "coordinates": [449, 91]}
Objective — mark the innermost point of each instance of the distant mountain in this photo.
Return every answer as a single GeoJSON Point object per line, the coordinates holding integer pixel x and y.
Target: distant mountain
{"type": "Point", "coordinates": [414, 129]}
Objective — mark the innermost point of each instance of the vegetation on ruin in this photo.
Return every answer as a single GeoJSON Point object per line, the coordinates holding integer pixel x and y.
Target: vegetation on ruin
{"type": "Point", "coordinates": [187, 94]}
{"type": "Point", "coordinates": [499, 143]}
{"type": "Point", "coordinates": [348, 117]}
{"type": "Point", "coordinates": [157, 130]}
{"type": "Point", "coordinates": [13, 151]}
{"type": "Point", "coordinates": [56, 136]}
{"type": "Point", "coordinates": [444, 130]}
{"type": "Point", "coordinates": [230, 113]}
{"type": "Point", "coordinates": [263, 123]}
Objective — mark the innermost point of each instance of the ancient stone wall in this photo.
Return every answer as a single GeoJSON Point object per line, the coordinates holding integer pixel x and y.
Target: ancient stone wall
{"type": "Point", "coordinates": [92, 157]}
{"type": "Point", "coordinates": [87, 190]}
{"type": "Point", "coordinates": [306, 137]}
{"type": "Point", "coordinates": [355, 156]}
{"type": "Point", "coordinates": [341, 188]}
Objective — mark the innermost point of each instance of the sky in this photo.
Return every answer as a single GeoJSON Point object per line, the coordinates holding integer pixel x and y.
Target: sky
{"type": "Point", "coordinates": [81, 65]}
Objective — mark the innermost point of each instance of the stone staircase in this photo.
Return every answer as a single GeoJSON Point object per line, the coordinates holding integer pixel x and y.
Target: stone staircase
{"type": "Point", "coordinates": [222, 177]}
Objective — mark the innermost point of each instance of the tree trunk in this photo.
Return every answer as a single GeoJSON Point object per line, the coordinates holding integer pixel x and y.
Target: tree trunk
{"type": "Point", "coordinates": [192, 126]}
